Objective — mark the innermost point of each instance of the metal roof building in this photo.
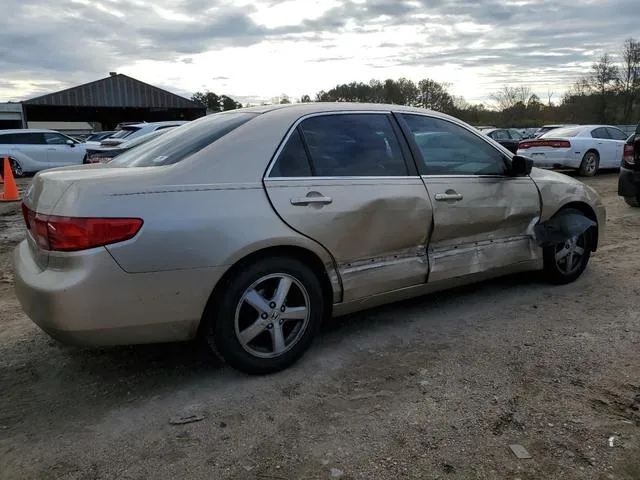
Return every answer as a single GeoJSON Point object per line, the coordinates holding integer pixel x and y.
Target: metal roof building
{"type": "Point", "coordinates": [112, 100]}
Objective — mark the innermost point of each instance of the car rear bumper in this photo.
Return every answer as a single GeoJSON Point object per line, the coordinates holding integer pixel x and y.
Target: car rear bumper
{"type": "Point", "coordinates": [552, 158]}
{"type": "Point", "coordinates": [628, 183]}
{"type": "Point", "coordinates": [87, 299]}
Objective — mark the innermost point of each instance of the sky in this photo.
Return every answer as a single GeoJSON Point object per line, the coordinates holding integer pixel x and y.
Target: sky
{"type": "Point", "coordinates": [256, 50]}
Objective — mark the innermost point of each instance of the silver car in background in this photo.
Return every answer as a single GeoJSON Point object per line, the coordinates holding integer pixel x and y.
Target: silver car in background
{"type": "Point", "coordinates": [248, 228]}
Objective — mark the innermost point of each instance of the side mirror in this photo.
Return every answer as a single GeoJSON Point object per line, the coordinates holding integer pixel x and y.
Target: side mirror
{"type": "Point", "coordinates": [521, 166]}
{"type": "Point", "coordinates": [71, 143]}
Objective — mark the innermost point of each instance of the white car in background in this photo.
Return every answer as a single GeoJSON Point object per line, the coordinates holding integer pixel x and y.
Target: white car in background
{"type": "Point", "coordinates": [129, 132]}
{"type": "Point", "coordinates": [586, 148]}
{"type": "Point", "coordinates": [32, 150]}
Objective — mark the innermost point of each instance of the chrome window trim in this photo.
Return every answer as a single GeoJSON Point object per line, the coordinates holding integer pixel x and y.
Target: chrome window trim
{"type": "Point", "coordinates": [471, 176]}
{"type": "Point", "coordinates": [292, 128]}
{"type": "Point", "coordinates": [377, 177]}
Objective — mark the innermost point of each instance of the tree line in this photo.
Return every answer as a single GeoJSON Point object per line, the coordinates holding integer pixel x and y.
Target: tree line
{"type": "Point", "coordinates": [608, 93]}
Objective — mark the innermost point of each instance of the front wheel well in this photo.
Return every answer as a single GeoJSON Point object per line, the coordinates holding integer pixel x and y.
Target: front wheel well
{"type": "Point", "coordinates": [588, 212]}
{"type": "Point", "coordinates": [303, 255]}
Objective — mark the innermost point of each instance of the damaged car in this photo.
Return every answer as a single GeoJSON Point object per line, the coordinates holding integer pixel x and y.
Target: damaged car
{"type": "Point", "coordinates": [248, 228]}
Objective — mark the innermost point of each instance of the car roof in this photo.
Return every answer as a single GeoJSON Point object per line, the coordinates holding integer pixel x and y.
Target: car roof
{"type": "Point", "coordinates": [489, 130]}
{"type": "Point", "coordinates": [154, 124]}
{"type": "Point", "coordinates": [292, 112]}
{"type": "Point", "coordinates": [27, 130]}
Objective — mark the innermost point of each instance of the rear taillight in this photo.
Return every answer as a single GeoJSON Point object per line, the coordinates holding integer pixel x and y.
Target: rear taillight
{"type": "Point", "coordinates": [69, 234]}
{"type": "Point", "coordinates": [628, 155]}
{"type": "Point", "coordinates": [545, 143]}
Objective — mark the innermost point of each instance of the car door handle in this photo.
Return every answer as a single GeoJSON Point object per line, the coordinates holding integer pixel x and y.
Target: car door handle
{"type": "Point", "coordinates": [309, 200]}
{"type": "Point", "coordinates": [443, 197]}
{"type": "Point", "coordinates": [51, 149]}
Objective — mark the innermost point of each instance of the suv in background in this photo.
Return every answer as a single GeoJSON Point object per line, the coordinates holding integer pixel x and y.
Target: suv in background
{"type": "Point", "coordinates": [629, 178]}
{"type": "Point", "coordinates": [129, 132]}
{"type": "Point", "coordinates": [32, 150]}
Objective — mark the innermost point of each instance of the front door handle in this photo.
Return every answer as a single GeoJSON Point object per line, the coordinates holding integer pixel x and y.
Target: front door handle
{"type": "Point", "coordinates": [443, 197]}
{"type": "Point", "coordinates": [309, 200]}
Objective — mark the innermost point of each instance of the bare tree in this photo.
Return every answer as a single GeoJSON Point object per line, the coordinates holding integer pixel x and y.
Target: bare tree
{"type": "Point", "coordinates": [629, 76]}
{"type": "Point", "coordinates": [549, 97]}
{"type": "Point", "coordinates": [603, 79]}
{"type": "Point", "coordinates": [509, 97]}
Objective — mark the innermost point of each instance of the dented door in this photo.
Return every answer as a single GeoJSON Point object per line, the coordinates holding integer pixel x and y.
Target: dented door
{"type": "Point", "coordinates": [483, 217]}
{"type": "Point", "coordinates": [343, 180]}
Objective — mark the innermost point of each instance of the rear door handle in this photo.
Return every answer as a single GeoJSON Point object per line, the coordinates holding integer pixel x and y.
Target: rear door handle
{"type": "Point", "coordinates": [443, 197]}
{"type": "Point", "coordinates": [310, 200]}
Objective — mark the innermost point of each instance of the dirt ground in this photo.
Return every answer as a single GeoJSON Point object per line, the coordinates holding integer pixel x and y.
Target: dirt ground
{"type": "Point", "coordinates": [437, 387]}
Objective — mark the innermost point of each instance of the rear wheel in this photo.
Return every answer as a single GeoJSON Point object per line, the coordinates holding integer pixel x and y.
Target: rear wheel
{"type": "Point", "coordinates": [590, 163]}
{"type": "Point", "coordinates": [565, 262]}
{"type": "Point", "coordinates": [266, 316]}
{"type": "Point", "coordinates": [16, 168]}
{"type": "Point", "coordinates": [633, 201]}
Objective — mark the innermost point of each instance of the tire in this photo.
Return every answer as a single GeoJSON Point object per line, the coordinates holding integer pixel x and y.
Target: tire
{"type": "Point", "coordinates": [249, 307]}
{"type": "Point", "coordinates": [633, 201]}
{"type": "Point", "coordinates": [590, 164]}
{"type": "Point", "coordinates": [556, 271]}
{"type": "Point", "coordinates": [16, 168]}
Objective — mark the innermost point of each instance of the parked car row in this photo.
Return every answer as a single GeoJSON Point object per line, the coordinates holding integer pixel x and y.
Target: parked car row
{"type": "Point", "coordinates": [585, 148]}
{"type": "Point", "coordinates": [33, 150]}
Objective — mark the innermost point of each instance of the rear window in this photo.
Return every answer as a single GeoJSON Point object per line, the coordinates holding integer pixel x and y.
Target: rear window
{"type": "Point", "coordinates": [182, 142]}
{"type": "Point", "coordinates": [125, 132]}
{"type": "Point", "coordinates": [142, 139]}
{"type": "Point", "coordinates": [563, 132]}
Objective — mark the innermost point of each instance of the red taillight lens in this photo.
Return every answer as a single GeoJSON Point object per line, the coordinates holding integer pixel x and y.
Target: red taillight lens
{"type": "Point", "coordinates": [545, 143]}
{"type": "Point", "coordinates": [628, 155]}
{"type": "Point", "coordinates": [69, 234]}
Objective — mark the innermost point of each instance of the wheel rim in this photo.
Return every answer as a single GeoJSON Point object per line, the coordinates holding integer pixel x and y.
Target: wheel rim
{"type": "Point", "coordinates": [17, 169]}
{"type": "Point", "coordinates": [272, 315]}
{"type": "Point", "coordinates": [590, 163]}
{"type": "Point", "coordinates": [569, 254]}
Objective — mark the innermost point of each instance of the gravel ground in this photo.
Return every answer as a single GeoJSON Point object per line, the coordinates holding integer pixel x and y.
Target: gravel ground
{"type": "Point", "coordinates": [437, 387]}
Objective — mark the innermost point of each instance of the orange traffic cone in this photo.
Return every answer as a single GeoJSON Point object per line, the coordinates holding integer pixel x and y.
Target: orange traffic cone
{"type": "Point", "coordinates": [10, 188]}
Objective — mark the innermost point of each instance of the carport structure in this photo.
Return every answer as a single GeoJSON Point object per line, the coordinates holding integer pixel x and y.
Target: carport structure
{"type": "Point", "coordinates": [110, 101]}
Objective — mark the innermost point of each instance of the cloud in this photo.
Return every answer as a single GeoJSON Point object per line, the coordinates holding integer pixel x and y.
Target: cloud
{"type": "Point", "coordinates": [507, 41]}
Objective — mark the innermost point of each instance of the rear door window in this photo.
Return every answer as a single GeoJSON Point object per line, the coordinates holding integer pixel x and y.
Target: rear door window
{"type": "Point", "coordinates": [293, 160]}
{"type": "Point", "coordinates": [616, 134]}
{"type": "Point", "coordinates": [176, 145]}
{"type": "Point", "coordinates": [23, 138]}
{"type": "Point", "coordinates": [55, 139]}
{"type": "Point", "coordinates": [353, 145]}
{"type": "Point", "coordinates": [600, 133]}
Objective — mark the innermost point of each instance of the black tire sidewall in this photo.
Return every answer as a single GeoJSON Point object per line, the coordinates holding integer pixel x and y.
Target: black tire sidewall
{"type": "Point", "coordinates": [552, 272]}
{"type": "Point", "coordinates": [220, 331]}
{"type": "Point", "coordinates": [633, 201]}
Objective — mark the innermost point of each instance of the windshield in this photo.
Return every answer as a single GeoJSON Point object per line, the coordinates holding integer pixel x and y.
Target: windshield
{"type": "Point", "coordinates": [182, 142]}
{"type": "Point", "coordinates": [143, 138]}
{"type": "Point", "coordinates": [125, 132]}
{"type": "Point", "coordinates": [563, 132]}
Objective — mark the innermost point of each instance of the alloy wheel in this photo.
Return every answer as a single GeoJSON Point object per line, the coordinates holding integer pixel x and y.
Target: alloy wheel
{"type": "Point", "coordinates": [590, 163]}
{"type": "Point", "coordinates": [16, 168]}
{"type": "Point", "coordinates": [569, 254]}
{"type": "Point", "coordinates": [272, 315]}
